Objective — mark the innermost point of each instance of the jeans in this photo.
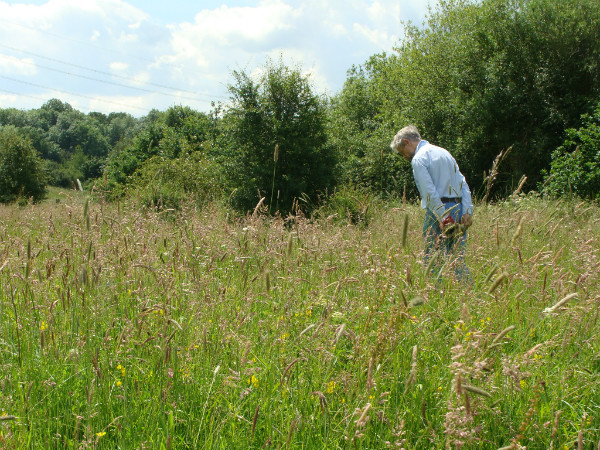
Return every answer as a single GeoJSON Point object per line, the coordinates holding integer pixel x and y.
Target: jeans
{"type": "Point", "coordinates": [452, 248]}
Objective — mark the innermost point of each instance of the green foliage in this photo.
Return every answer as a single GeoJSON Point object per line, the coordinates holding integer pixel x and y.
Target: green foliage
{"type": "Point", "coordinates": [73, 130]}
{"type": "Point", "coordinates": [170, 183]}
{"type": "Point", "coordinates": [124, 161]}
{"type": "Point", "coordinates": [479, 77]}
{"type": "Point", "coordinates": [122, 128]}
{"type": "Point", "coordinates": [347, 205]}
{"type": "Point", "coordinates": [575, 167]}
{"type": "Point", "coordinates": [355, 131]}
{"type": "Point", "coordinates": [277, 111]}
{"type": "Point", "coordinates": [74, 145]}
{"type": "Point", "coordinates": [121, 330]}
{"type": "Point", "coordinates": [175, 134]}
{"type": "Point", "coordinates": [49, 113]}
{"type": "Point", "coordinates": [482, 76]}
{"type": "Point", "coordinates": [21, 170]}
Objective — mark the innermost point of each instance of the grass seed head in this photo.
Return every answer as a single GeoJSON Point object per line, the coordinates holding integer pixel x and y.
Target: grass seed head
{"type": "Point", "coordinates": [497, 282]}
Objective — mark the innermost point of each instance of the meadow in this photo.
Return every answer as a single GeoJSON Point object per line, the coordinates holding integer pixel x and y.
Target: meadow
{"type": "Point", "coordinates": [129, 329]}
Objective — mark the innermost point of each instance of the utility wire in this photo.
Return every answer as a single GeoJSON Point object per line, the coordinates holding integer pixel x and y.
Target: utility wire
{"type": "Point", "coordinates": [49, 33]}
{"type": "Point", "coordinates": [23, 95]}
{"type": "Point", "coordinates": [133, 80]}
{"type": "Point", "coordinates": [43, 100]}
{"type": "Point", "coordinates": [72, 93]}
{"type": "Point", "coordinates": [113, 83]}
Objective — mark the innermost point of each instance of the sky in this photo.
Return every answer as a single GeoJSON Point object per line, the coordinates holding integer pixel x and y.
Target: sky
{"type": "Point", "coordinates": [135, 55]}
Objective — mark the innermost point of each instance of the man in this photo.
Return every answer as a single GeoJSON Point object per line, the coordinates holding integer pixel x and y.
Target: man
{"type": "Point", "coordinates": [445, 196]}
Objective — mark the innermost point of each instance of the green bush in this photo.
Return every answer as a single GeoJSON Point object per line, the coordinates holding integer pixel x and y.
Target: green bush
{"type": "Point", "coordinates": [21, 169]}
{"type": "Point", "coordinates": [347, 205]}
{"type": "Point", "coordinates": [575, 167]}
{"type": "Point", "coordinates": [163, 183]}
{"type": "Point", "coordinates": [278, 142]}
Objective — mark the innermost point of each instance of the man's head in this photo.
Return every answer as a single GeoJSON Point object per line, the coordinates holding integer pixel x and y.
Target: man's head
{"type": "Point", "coordinates": [405, 142]}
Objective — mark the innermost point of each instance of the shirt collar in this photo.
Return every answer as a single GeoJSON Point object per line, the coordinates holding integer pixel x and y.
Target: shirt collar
{"type": "Point", "coordinates": [421, 143]}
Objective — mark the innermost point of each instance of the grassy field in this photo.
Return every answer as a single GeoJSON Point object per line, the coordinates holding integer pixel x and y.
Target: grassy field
{"type": "Point", "coordinates": [123, 329]}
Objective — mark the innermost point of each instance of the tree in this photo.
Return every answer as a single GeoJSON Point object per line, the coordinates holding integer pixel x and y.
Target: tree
{"type": "Point", "coordinates": [122, 127]}
{"type": "Point", "coordinates": [176, 133]}
{"type": "Point", "coordinates": [575, 167]}
{"type": "Point", "coordinates": [483, 76]}
{"type": "Point", "coordinates": [21, 169]}
{"type": "Point", "coordinates": [361, 137]}
{"type": "Point", "coordinates": [50, 111]}
{"type": "Point", "coordinates": [277, 147]}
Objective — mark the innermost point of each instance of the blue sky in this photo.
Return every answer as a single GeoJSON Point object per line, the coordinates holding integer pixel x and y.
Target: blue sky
{"type": "Point", "coordinates": [135, 55]}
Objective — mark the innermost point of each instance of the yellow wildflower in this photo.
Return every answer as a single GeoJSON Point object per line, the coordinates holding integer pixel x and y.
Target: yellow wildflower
{"type": "Point", "coordinates": [101, 433]}
{"type": "Point", "coordinates": [330, 387]}
{"type": "Point", "coordinates": [43, 326]}
{"type": "Point", "coordinates": [253, 381]}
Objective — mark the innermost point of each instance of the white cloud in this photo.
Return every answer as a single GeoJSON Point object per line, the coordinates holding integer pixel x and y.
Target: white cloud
{"type": "Point", "coordinates": [376, 37]}
{"type": "Point", "coordinates": [242, 25]}
{"type": "Point", "coordinates": [118, 66]}
{"type": "Point", "coordinates": [327, 36]}
{"type": "Point", "coordinates": [10, 65]}
{"type": "Point", "coordinates": [195, 54]}
{"type": "Point", "coordinates": [142, 77]}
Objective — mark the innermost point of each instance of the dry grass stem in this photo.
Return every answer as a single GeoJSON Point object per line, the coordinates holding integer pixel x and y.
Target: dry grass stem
{"type": "Point", "coordinates": [476, 390]}
{"type": "Point", "coordinates": [497, 282]}
{"type": "Point", "coordinates": [560, 303]}
{"type": "Point", "coordinates": [503, 333]}
{"type": "Point", "coordinates": [412, 377]}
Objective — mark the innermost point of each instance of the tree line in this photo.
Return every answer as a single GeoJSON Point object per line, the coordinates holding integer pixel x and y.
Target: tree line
{"type": "Point", "coordinates": [517, 78]}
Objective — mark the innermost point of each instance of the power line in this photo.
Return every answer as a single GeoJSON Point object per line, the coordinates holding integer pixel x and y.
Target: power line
{"type": "Point", "coordinates": [43, 100]}
{"type": "Point", "coordinates": [113, 83]}
{"type": "Point", "coordinates": [72, 93]}
{"type": "Point", "coordinates": [49, 33]}
{"type": "Point", "coordinates": [23, 95]}
{"type": "Point", "coordinates": [133, 80]}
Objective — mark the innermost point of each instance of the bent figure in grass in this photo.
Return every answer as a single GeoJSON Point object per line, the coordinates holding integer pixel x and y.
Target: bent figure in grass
{"type": "Point", "coordinates": [445, 195]}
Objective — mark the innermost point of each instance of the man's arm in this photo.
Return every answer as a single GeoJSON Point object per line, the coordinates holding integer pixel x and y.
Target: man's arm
{"type": "Point", "coordinates": [427, 189]}
{"type": "Point", "coordinates": [467, 203]}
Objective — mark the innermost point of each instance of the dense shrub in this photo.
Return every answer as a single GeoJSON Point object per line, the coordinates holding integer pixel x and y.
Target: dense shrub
{"type": "Point", "coordinates": [347, 205]}
{"type": "Point", "coordinates": [170, 183]}
{"type": "Point", "coordinates": [477, 78]}
{"type": "Point", "coordinates": [575, 167]}
{"type": "Point", "coordinates": [277, 140]}
{"type": "Point", "coordinates": [21, 169]}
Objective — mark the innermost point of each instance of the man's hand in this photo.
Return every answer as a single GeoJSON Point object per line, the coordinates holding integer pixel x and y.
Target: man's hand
{"type": "Point", "coordinates": [466, 220]}
{"type": "Point", "coordinates": [449, 227]}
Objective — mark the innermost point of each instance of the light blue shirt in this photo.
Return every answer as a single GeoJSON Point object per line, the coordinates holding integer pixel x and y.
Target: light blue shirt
{"type": "Point", "coordinates": [437, 175]}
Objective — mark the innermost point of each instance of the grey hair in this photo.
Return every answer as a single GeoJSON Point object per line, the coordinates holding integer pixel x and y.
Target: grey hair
{"type": "Point", "coordinates": [410, 132]}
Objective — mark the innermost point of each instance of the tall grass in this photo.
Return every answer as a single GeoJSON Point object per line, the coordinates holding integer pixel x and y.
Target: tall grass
{"type": "Point", "coordinates": [120, 329]}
